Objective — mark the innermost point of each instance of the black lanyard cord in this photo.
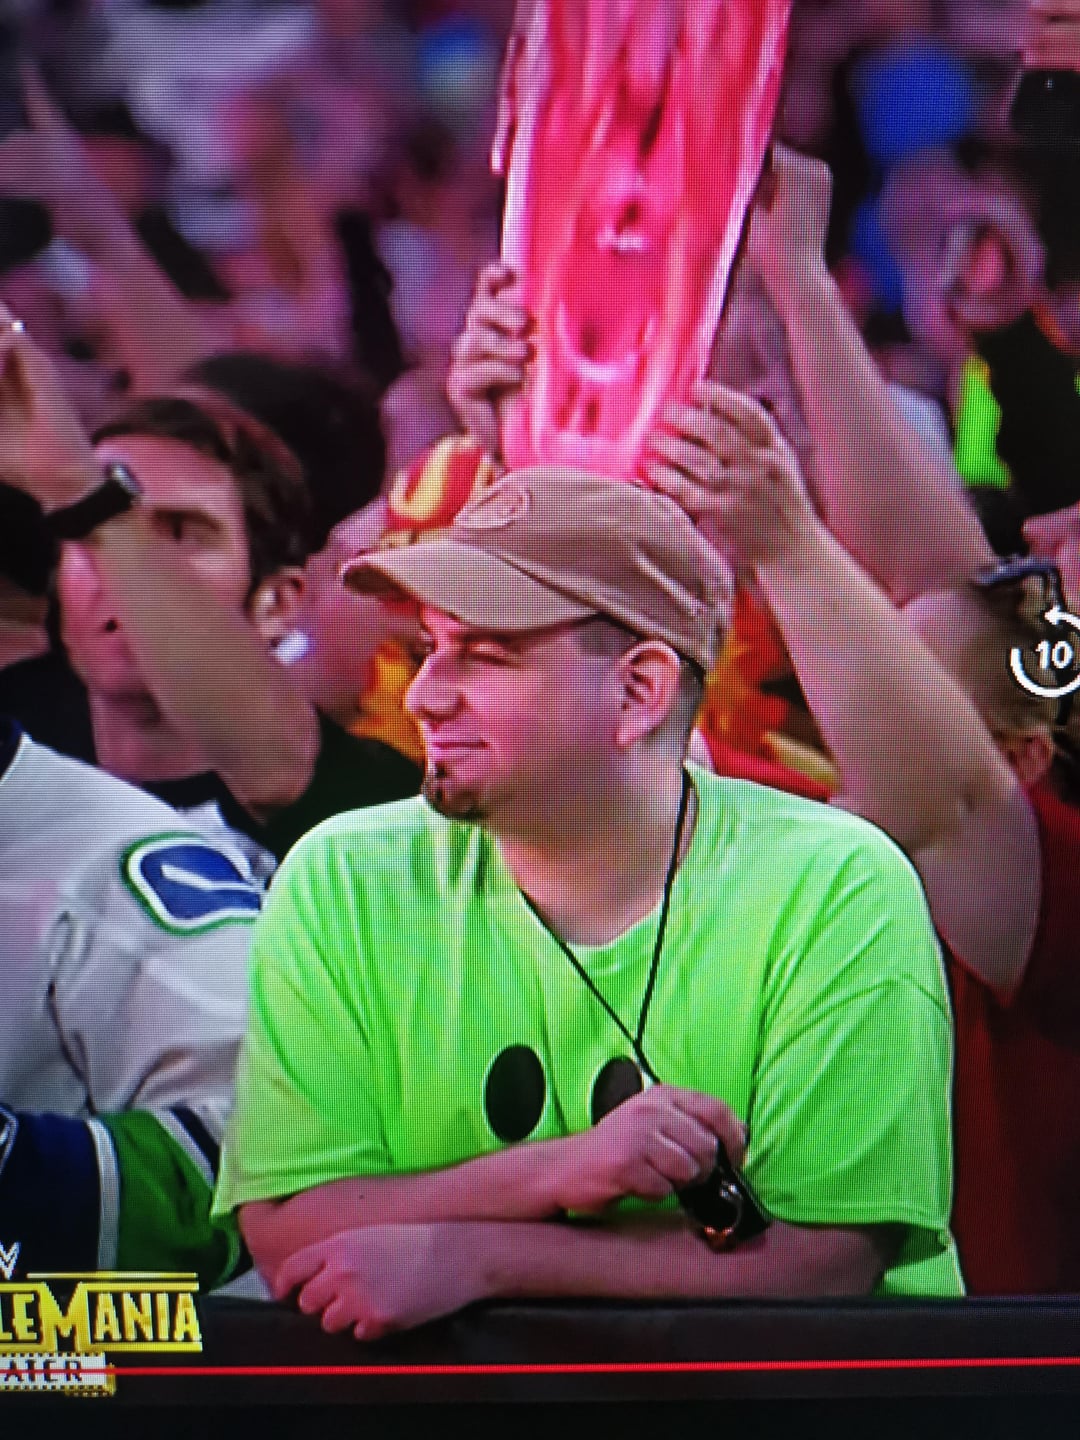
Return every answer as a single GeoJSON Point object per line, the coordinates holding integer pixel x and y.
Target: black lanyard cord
{"type": "Point", "coordinates": [635, 1041]}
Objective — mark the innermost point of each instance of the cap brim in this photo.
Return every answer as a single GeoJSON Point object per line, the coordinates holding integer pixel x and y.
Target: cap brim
{"type": "Point", "coordinates": [467, 583]}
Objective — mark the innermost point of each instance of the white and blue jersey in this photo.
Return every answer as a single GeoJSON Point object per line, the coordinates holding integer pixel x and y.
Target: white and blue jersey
{"type": "Point", "coordinates": [124, 937]}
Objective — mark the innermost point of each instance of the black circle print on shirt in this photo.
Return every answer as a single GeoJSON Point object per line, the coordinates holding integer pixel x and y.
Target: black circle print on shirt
{"type": "Point", "coordinates": [619, 1080]}
{"type": "Point", "coordinates": [514, 1093]}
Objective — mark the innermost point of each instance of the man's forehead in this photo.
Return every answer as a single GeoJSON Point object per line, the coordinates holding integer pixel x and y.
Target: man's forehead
{"type": "Point", "coordinates": [438, 622]}
{"type": "Point", "coordinates": [174, 476]}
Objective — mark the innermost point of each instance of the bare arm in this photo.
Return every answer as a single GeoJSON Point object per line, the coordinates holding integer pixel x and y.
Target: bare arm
{"type": "Point", "coordinates": [393, 1277]}
{"type": "Point", "coordinates": [206, 665]}
{"type": "Point", "coordinates": [648, 1145]}
{"type": "Point", "coordinates": [157, 333]}
{"type": "Point", "coordinates": [914, 754]}
{"type": "Point", "coordinates": [208, 668]}
{"type": "Point", "coordinates": [515, 1184]}
{"type": "Point", "coordinates": [886, 493]}
{"type": "Point", "coordinates": [655, 1262]}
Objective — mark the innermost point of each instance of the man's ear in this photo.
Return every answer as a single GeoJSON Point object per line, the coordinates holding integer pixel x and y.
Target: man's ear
{"type": "Point", "coordinates": [649, 680]}
{"type": "Point", "coordinates": [1030, 753]}
{"type": "Point", "coordinates": [275, 603]}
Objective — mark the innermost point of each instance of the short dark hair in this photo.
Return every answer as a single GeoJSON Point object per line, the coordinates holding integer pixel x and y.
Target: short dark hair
{"type": "Point", "coordinates": [606, 637]}
{"type": "Point", "coordinates": [277, 509]}
{"type": "Point", "coordinates": [328, 416]}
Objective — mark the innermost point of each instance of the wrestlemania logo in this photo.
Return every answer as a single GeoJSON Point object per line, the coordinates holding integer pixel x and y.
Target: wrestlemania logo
{"type": "Point", "coordinates": [57, 1329]}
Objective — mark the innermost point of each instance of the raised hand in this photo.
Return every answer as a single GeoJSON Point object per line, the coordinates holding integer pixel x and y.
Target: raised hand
{"type": "Point", "coordinates": [725, 462]}
{"type": "Point", "coordinates": [491, 355]}
{"type": "Point", "coordinates": [790, 220]}
{"type": "Point", "coordinates": [48, 163]}
{"type": "Point", "coordinates": [44, 449]}
{"type": "Point", "coordinates": [651, 1145]}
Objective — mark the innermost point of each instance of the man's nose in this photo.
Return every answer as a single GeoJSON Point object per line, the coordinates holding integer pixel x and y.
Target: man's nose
{"type": "Point", "coordinates": [78, 565]}
{"type": "Point", "coordinates": [432, 694]}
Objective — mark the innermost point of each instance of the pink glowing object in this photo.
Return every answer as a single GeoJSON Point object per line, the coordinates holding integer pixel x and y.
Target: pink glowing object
{"type": "Point", "coordinates": [632, 135]}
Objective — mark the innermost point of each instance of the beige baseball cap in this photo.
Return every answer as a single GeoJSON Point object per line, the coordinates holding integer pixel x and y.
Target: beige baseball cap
{"type": "Point", "coordinates": [553, 544]}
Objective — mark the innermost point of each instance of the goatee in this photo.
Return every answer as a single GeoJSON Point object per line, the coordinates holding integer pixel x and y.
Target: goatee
{"type": "Point", "coordinates": [452, 801]}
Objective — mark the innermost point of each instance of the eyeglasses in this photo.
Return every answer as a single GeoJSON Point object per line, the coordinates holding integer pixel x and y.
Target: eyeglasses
{"type": "Point", "coordinates": [1018, 568]}
{"type": "Point", "coordinates": [1014, 571]}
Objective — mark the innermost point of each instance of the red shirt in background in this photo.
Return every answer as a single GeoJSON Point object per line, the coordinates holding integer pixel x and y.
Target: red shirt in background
{"type": "Point", "coordinates": [1017, 1108]}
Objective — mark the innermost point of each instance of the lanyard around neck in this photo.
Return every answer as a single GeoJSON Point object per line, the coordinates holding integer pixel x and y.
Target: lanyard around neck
{"type": "Point", "coordinates": [636, 1041]}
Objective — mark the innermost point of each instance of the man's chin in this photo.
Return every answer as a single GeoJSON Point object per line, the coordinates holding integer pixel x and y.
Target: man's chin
{"type": "Point", "coordinates": [455, 802]}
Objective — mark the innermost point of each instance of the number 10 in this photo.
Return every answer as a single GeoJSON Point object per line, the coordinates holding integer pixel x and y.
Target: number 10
{"type": "Point", "coordinates": [1055, 657]}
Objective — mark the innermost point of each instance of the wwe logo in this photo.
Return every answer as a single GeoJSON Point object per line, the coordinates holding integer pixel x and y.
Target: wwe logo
{"type": "Point", "coordinates": [9, 1258]}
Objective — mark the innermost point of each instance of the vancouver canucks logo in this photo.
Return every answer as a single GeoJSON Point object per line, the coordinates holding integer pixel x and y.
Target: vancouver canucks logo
{"type": "Point", "coordinates": [188, 885]}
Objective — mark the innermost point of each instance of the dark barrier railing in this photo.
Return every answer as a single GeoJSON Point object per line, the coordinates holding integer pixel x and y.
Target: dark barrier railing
{"type": "Point", "coordinates": [265, 1353]}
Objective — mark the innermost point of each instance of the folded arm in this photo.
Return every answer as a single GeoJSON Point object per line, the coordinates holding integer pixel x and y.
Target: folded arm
{"type": "Point", "coordinates": [649, 1145]}
{"type": "Point", "coordinates": [393, 1277]}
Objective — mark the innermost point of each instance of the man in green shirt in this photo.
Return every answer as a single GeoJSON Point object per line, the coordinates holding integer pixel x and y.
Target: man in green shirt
{"type": "Point", "coordinates": [452, 995]}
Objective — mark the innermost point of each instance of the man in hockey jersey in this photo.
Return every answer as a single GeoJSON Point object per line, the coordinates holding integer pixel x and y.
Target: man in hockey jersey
{"type": "Point", "coordinates": [123, 955]}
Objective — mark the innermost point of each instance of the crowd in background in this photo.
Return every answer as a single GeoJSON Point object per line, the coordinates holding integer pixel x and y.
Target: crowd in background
{"type": "Point", "coordinates": [311, 181]}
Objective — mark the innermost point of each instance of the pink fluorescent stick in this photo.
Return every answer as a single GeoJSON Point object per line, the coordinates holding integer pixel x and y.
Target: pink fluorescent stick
{"type": "Point", "coordinates": [632, 134]}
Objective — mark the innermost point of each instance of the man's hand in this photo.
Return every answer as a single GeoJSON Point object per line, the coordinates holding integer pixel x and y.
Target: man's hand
{"type": "Point", "coordinates": [725, 462]}
{"type": "Point", "coordinates": [384, 1277]}
{"type": "Point", "coordinates": [649, 1146]}
{"type": "Point", "coordinates": [48, 163]}
{"type": "Point", "coordinates": [752, 355]}
{"type": "Point", "coordinates": [491, 354]}
{"type": "Point", "coordinates": [1053, 35]}
{"type": "Point", "coordinates": [44, 449]}
{"type": "Point", "coordinates": [787, 233]}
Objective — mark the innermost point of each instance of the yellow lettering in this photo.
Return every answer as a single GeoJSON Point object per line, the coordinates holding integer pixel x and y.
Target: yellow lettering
{"type": "Point", "coordinates": [138, 1317]}
{"type": "Point", "coordinates": [106, 1320]}
{"type": "Point", "coordinates": [22, 1323]}
{"type": "Point", "coordinates": [162, 1299]}
{"type": "Point", "coordinates": [72, 1323]}
{"type": "Point", "coordinates": [187, 1321]}
{"type": "Point", "coordinates": [5, 1334]}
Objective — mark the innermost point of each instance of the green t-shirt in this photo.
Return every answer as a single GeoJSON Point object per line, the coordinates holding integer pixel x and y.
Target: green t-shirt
{"type": "Point", "coordinates": [396, 963]}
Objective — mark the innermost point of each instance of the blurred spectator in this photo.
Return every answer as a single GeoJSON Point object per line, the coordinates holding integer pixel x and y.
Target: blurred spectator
{"type": "Point", "coordinates": [953, 760]}
{"type": "Point", "coordinates": [910, 96]}
{"type": "Point", "coordinates": [445, 225]}
{"type": "Point", "coordinates": [326, 415]}
{"type": "Point", "coordinates": [1052, 35]}
{"type": "Point", "coordinates": [123, 944]}
{"type": "Point", "coordinates": [97, 270]}
{"type": "Point", "coordinates": [168, 612]}
{"type": "Point", "coordinates": [330, 422]}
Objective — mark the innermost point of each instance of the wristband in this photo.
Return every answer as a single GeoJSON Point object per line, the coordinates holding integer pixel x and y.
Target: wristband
{"type": "Point", "coordinates": [117, 493]}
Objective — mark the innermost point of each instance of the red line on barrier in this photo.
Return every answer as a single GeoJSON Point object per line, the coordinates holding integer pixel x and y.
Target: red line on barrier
{"type": "Point", "coordinates": [697, 1367]}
